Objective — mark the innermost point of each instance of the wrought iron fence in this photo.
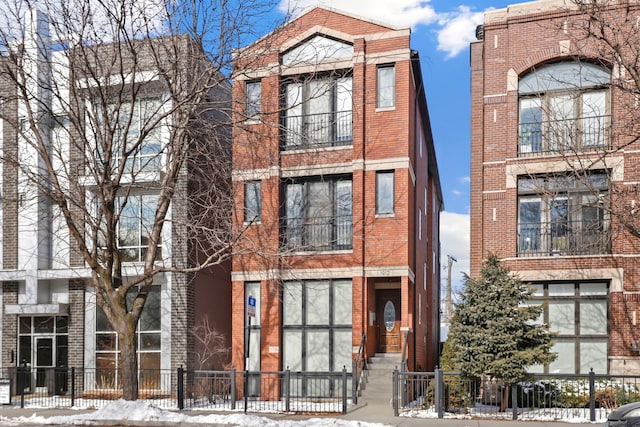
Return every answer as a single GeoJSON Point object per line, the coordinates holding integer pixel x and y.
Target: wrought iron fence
{"type": "Point", "coordinates": [542, 396]}
{"type": "Point", "coordinates": [279, 391]}
{"type": "Point", "coordinates": [79, 387]}
{"type": "Point", "coordinates": [282, 391]}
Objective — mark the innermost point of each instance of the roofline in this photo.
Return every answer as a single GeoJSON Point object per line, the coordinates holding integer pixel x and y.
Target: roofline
{"type": "Point", "coordinates": [351, 15]}
{"type": "Point", "coordinates": [421, 100]}
{"type": "Point", "coordinates": [330, 9]}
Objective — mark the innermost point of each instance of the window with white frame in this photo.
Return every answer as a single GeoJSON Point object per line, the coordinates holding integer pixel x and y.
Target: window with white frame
{"type": "Point", "coordinates": [137, 215]}
{"type": "Point", "coordinates": [385, 193]}
{"type": "Point", "coordinates": [252, 289]}
{"type": "Point", "coordinates": [252, 201]}
{"type": "Point", "coordinates": [253, 93]}
{"type": "Point", "coordinates": [318, 111]}
{"type": "Point", "coordinates": [564, 107]}
{"type": "Point", "coordinates": [386, 86]}
{"type": "Point", "coordinates": [149, 345]}
{"type": "Point", "coordinates": [137, 134]}
{"type": "Point", "coordinates": [577, 313]}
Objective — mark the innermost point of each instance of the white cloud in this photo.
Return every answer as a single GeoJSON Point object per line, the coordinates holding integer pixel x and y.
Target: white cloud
{"type": "Point", "coordinates": [465, 179]}
{"type": "Point", "coordinates": [455, 30]}
{"type": "Point", "coordinates": [458, 30]}
{"type": "Point", "coordinates": [400, 13]}
{"type": "Point", "coordinates": [454, 241]}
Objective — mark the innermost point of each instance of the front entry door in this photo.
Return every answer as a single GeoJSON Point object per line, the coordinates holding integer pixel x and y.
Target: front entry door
{"type": "Point", "coordinates": [44, 360]}
{"type": "Point", "coordinates": [388, 320]}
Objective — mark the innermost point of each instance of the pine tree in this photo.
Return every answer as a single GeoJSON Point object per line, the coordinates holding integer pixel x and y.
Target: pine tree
{"type": "Point", "coordinates": [493, 331]}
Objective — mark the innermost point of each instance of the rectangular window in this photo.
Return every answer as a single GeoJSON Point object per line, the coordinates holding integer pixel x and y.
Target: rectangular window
{"type": "Point", "coordinates": [252, 201]}
{"type": "Point", "coordinates": [318, 112]}
{"type": "Point", "coordinates": [386, 86]}
{"type": "Point", "coordinates": [563, 215]}
{"type": "Point", "coordinates": [252, 289]}
{"type": "Point", "coordinates": [136, 137]}
{"type": "Point", "coordinates": [137, 214]}
{"type": "Point", "coordinates": [317, 330]}
{"type": "Point", "coordinates": [253, 92]}
{"type": "Point", "coordinates": [577, 314]}
{"type": "Point", "coordinates": [385, 192]}
{"type": "Point", "coordinates": [149, 346]}
{"type": "Point", "coordinates": [318, 214]}
{"type": "Point", "coordinates": [563, 121]}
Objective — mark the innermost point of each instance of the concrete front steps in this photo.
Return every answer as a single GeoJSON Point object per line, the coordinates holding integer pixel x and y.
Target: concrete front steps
{"type": "Point", "coordinates": [377, 391]}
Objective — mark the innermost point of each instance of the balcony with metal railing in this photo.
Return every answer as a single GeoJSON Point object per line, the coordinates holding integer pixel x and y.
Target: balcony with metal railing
{"type": "Point", "coordinates": [317, 130]}
{"type": "Point", "coordinates": [564, 238]}
{"type": "Point", "coordinates": [575, 135]}
{"type": "Point", "coordinates": [303, 234]}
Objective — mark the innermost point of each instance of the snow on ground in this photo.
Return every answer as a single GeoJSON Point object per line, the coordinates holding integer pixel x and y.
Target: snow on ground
{"type": "Point", "coordinates": [139, 410]}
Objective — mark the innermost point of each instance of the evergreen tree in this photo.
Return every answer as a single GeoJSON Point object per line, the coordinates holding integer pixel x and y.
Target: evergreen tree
{"type": "Point", "coordinates": [493, 331]}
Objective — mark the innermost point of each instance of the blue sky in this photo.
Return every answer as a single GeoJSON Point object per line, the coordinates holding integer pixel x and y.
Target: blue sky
{"type": "Point", "coordinates": [441, 32]}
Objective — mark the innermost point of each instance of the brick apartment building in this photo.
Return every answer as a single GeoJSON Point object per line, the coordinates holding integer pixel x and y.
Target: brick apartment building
{"type": "Point", "coordinates": [337, 185]}
{"type": "Point", "coordinates": [553, 173]}
{"type": "Point", "coordinates": [49, 317]}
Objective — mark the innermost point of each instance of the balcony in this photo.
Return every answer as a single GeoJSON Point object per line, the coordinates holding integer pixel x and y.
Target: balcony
{"type": "Point", "coordinates": [317, 130]}
{"type": "Point", "coordinates": [575, 135]}
{"type": "Point", "coordinates": [564, 238]}
{"type": "Point", "coordinates": [317, 233]}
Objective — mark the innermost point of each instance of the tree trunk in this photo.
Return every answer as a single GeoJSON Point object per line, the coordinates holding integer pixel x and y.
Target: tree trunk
{"type": "Point", "coordinates": [128, 362]}
{"type": "Point", "coordinates": [504, 401]}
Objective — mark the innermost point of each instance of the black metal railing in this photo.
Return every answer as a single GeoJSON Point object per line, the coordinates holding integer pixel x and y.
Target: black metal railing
{"type": "Point", "coordinates": [359, 370]}
{"type": "Point", "coordinates": [317, 130]}
{"type": "Point", "coordinates": [564, 238]}
{"type": "Point", "coordinates": [549, 396]}
{"type": "Point", "coordinates": [281, 391]}
{"type": "Point", "coordinates": [83, 387]}
{"type": "Point", "coordinates": [564, 136]}
{"type": "Point", "coordinates": [301, 234]}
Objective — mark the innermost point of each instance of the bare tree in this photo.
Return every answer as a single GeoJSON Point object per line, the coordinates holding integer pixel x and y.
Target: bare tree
{"type": "Point", "coordinates": [118, 117]}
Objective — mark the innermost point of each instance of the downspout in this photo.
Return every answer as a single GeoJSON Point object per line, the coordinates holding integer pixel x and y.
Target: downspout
{"type": "Point", "coordinates": [363, 116]}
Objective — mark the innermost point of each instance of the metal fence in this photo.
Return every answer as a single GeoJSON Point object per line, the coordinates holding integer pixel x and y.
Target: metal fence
{"type": "Point", "coordinates": [91, 388]}
{"type": "Point", "coordinates": [280, 391]}
{"type": "Point", "coordinates": [542, 396]}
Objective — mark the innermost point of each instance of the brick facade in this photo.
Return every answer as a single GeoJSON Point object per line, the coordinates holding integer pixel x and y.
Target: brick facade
{"type": "Point", "coordinates": [514, 42]}
{"type": "Point", "coordinates": [385, 250]}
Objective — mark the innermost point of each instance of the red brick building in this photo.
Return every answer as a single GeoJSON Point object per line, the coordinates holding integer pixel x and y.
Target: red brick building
{"type": "Point", "coordinates": [553, 176]}
{"type": "Point", "coordinates": [336, 183]}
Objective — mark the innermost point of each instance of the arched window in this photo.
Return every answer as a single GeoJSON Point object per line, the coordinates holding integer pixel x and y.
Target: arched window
{"type": "Point", "coordinates": [564, 107]}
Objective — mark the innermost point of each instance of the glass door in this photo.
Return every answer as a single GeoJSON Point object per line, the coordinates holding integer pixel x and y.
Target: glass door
{"type": "Point", "coordinates": [44, 360]}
